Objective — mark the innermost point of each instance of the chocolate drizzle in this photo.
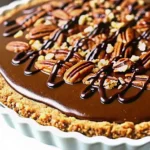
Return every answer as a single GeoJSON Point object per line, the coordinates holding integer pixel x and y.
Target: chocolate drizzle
{"type": "Point", "coordinates": [9, 22]}
{"type": "Point", "coordinates": [101, 27]}
{"type": "Point", "coordinates": [27, 22]}
{"type": "Point", "coordinates": [137, 69]}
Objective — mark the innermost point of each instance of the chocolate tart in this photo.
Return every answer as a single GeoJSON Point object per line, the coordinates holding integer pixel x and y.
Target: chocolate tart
{"type": "Point", "coordinates": [79, 65]}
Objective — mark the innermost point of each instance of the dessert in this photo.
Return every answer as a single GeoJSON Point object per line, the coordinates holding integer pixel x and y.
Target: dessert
{"type": "Point", "coordinates": [79, 66]}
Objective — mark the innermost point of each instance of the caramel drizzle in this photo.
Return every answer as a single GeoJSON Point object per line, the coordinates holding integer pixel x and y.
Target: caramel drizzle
{"type": "Point", "coordinates": [89, 90]}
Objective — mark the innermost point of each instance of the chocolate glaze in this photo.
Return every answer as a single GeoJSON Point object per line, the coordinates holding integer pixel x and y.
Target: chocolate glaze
{"type": "Point", "coordinates": [70, 102]}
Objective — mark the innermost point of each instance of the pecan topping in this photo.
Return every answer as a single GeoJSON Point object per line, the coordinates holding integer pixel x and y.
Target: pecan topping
{"type": "Point", "coordinates": [47, 66]}
{"type": "Point", "coordinates": [80, 41]}
{"type": "Point", "coordinates": [146, 60]}
{"type": "Point", "coordinates": [77, 72]}
{"type": "Point", "coordinates": [33, 19]}
{"type": "Point", "coordinates": [76, 12]}
{"type": "Point", "coordinates": [117, 49]}
{"type": "Point", "coordinates": [139, 80]}
{"type": "Point", "coordinates": [61, 54]}
{"type": "Point", "coordinates": [119, 46]}
{"type": "Point", "coordinates": [60, 14]}
{"type": "Point", "coordinates": [109, 83]}
{"type": "Point", "coordinates": [122, 65]}
{"type": "Point", "coordinates": [60, 39]}
{"type": "Point", "coordinates": [88, 79]}
{"type": "Point", "coordinates": [21, 19]}
{"type": "Point", "coordinates": [41, 31]}
{"type": "Point", "coordinates": [17, 46]}
{"type": "Point", "coordinates": [126, 36]}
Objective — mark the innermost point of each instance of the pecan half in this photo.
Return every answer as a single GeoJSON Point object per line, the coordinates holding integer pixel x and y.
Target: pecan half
{"type": "Point", "coordinates": [139, 80]}
{"type": "Point", "coordinates": [110, 83]}
{"type": "Point", "coordinates": [77, 72]}
{"type": "Point", "coordinates": [122, 65]}
{"type": "Point", "coordinates": [61, 54]}
{"type": "Point", "coordinates": [47, 66]}
{"type": "Point", "coordinates": [60, 14]}
{"type": "Point", "coordinates": [119, 46]}
{"type": "Point", "coordinates": [60, 39]}
{"type": "Point", "coordinates": [21, 19]}
{"type": "Point", "coordinates": [88, 79]}
{"type": "Point", "coordinates": [58, 4]}
{"type": "Point", "coordinates": [146, 60]}
{"type": "Point", "coordinates": [34, 18]}
{"type": "Point", "coordinates": [41, 31]}
{"type": "Point", "coordinates": [17, 46]}
{"type": "Point", "coordinates": [126, 36]}
{"type": "Point", "coordinates": [117, 49]}
{"type": "Point", "coordinates": [75, 12]}
{"type": "Point", "coordinates": [47, 7]}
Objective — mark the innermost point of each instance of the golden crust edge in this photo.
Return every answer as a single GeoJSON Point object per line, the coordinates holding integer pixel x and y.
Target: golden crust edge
{"type": "Point", "coordinates": [48, 116]}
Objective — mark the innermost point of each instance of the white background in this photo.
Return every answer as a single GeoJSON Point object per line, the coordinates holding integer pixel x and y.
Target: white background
{"type": "Point", "coordinates": [10, 139]}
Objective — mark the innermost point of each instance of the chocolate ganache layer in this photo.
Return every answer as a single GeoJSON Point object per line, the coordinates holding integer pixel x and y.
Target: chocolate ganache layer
{"type": "Point", "coordinates": [89, 59]}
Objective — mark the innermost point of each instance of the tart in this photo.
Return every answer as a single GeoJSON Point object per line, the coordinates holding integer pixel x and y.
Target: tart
{"type": "Point", "coordinates": [79, 65]}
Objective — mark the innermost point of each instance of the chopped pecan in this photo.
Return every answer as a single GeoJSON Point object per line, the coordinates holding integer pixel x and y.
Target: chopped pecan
{"type": "Point", "coordinates": [47, 66]}
{"type": "Point", "coordinates": [61, 54]}
{"type": "Point", "coordinates": [17, 46]}
{"type": "Point", "coordinates": [142, 45]}
{"type": "Point", "coordinates": [122, 65]}
{"type": "Point", "coordinates": [77, 72]}
{"type": "Point", "coordinates": [41, 31]}
{"type": "Point", "coordinates": [110, 83]}
{"type": "Point", "coordinates": [126, 36]}
{"type": "Point", "coordinates": [60, 14]}
{"type": "Point", "coordinates": [146, 60]}
{"type": "Point", "coordinates": [139, 80]}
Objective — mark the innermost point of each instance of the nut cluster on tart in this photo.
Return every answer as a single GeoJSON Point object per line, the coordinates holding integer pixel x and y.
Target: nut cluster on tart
{"type": "Point", "coordinates": [101, 45]}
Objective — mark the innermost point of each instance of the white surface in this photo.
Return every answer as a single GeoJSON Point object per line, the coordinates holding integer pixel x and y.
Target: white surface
{"type": "Point", "coordinates": [10, 139]}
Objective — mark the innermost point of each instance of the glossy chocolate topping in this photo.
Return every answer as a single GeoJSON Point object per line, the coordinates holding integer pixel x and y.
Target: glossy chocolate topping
{"type": "Point", "coordinates": [92, 102]}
